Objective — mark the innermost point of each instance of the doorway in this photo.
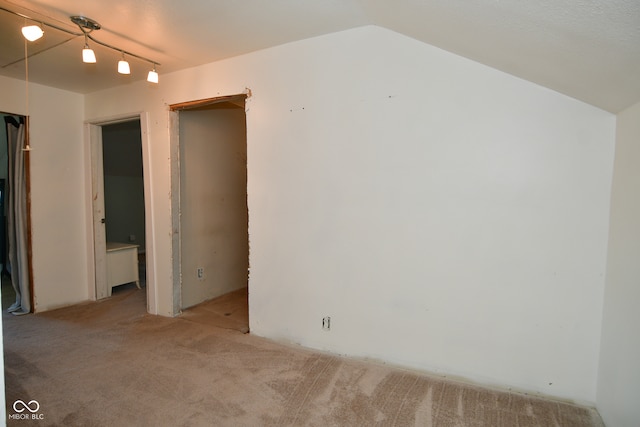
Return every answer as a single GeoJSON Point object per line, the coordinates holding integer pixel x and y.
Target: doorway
{"type": "Point", "coordinates": [124, 193]}
{"type": "Point", "coordinates": [120, 202]}
{"type": "Point", "coordinates": [209, 173]}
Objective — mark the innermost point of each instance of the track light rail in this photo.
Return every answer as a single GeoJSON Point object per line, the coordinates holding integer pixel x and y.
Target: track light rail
{"type": "Point", "coordinates": [86, 26]}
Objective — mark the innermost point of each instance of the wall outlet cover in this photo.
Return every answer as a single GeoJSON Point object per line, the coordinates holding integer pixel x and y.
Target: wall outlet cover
{"type": "Point", "coordinates": [326, 323]}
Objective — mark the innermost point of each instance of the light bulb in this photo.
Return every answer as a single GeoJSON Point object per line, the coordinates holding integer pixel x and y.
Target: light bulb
{"type": "Point", "coordinates": [32, 32]}
{"type": "Point", "coordinates": [88, 56]}
{"type": "Point", "coordinates": [123, 66]}
{"type": "Point", "coordinates": [153, 75]}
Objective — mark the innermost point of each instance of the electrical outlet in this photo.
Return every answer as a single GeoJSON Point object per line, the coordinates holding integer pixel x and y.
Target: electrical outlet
{"type": "Point", "coordinates": [200, 273]}
{"type": "Point", "coordinates": [326, 323]}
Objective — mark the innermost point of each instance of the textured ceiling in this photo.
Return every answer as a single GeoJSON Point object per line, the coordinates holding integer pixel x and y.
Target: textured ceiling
{"type": "Point", "coordinates": [587, 49]}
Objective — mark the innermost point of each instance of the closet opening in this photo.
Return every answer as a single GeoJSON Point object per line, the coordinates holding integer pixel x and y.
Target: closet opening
{"type": "Point", "coordinates": [209, 188]}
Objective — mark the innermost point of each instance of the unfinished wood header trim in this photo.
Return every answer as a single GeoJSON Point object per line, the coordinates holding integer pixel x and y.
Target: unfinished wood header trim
{"type": "Point", "coordinates": [205, 102]}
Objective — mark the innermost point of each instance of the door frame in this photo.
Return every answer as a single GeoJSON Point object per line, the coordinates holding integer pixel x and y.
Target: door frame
{"type": "Point", "coordinates": [174, 143]}
{"type": "Point", "coordinates": [97, 273]}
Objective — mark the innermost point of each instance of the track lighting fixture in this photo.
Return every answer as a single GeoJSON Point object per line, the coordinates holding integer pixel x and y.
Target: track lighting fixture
{"type": "Point", "coordinates": [32, 32]}
{"type": "Point", "coordinates": [152, 77]}
{"type": "Point", "coordinates": [88, 56]}
{"type": "Point", "coordinates": [123, 66]}
{"type": "Point", "coordinates": [86, 26]}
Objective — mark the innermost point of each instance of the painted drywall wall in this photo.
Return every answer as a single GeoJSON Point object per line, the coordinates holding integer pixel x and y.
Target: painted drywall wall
{"type": "Point", "coordinates": [124, 209]}
{"type": "Point", "coordinates": [447, 216]}
{"type": "Point", "coordinates": [123, 183]}
{"type": "Point", "coordinates": [213, 202]}
{"type": "Point", "coordinates": [619, 374]}
{"type": "Point", "coordinates": [57, 190]}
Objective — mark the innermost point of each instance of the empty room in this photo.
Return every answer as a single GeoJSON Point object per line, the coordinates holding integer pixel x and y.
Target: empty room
{"type": "Point", "coordinates": [346, 212]}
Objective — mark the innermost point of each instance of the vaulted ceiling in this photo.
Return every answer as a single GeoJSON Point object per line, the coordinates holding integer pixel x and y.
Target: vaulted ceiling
{"type": "Point", "coordinates": [587, 49]}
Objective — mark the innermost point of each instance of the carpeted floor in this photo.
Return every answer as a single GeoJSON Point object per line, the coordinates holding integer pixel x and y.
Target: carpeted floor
{"type": "Point", "coordinates": [110, 364]}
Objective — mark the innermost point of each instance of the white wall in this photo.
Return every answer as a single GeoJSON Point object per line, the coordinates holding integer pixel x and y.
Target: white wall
{"type": "Point", "coordinates": [619, 374]}
{"type": "Point", "coordinates": [447, 216]}
{"type": "Point", "coordinates": [57, 190]}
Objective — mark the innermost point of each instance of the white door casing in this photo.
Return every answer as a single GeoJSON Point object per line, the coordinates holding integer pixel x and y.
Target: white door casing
{"type": "Point", "coordinates": [97, 197]}
{"type": "Point", "coordinates": [97, 239]}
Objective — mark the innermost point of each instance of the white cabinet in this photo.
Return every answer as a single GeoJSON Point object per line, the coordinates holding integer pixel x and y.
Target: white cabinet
{"type": "Point", "coordinates": [122, 265]}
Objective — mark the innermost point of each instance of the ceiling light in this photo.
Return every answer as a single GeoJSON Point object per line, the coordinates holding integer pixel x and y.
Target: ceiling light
{"type": "Point", "coordinates": [153, 75]}
{"type": "Point", "coordinates": [32, 32]}
{"type": "Point", "coordinates": [88, 56]}
{"type": "Point", "coordinates": [86, 26]}
{"type": "Point", "coordinates": [123, 66]}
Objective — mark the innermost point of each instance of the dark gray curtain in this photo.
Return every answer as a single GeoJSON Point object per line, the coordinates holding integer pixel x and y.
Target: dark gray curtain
{"type": "Point", "coordinates": [17, 219]}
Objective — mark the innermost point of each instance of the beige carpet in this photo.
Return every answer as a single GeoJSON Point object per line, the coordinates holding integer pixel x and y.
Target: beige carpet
{"type": "Point", "coordinates": [110, 364]}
